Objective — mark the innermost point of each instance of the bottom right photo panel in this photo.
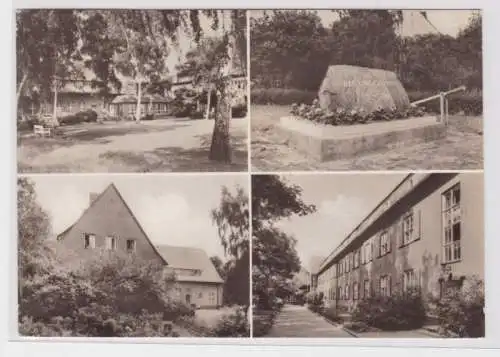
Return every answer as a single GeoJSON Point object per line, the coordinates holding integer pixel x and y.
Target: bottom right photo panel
{"type": "Point", "coordinates": [378, 255]}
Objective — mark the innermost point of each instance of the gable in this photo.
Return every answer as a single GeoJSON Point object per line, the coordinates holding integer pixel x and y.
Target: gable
{"type": "Point", "coordinates": [109, 215]}
{"type": "Point", "coordinates": [185, 260]}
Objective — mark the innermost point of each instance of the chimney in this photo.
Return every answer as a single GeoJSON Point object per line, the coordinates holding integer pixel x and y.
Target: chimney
{"type": "Point", "coordinates": [92, 197]}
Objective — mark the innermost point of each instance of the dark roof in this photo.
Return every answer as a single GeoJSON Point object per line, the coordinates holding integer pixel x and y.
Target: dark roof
{"type": "Point", "coordinates": [190, 258]}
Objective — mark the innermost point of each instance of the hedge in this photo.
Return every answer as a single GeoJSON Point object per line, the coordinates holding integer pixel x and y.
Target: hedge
{"type": "Point", "coordinates": [279, 96]}
{"type": "Point", "coordinates": [469, 102]}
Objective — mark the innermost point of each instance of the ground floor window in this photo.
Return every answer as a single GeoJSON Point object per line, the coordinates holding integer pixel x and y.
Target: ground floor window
{"type": "Point", "coordinates": [355, 291]}
{"type": "Point", "coordinates": [385, 285]}
{"type": "Point", "coordinates": [410, 280]}
{"type": "Point", "coordinates": [347, 292]}
{"type": "Point", "coordinates": [366, 288]}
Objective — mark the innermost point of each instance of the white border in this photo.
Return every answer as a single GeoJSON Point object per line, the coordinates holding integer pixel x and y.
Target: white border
{"type": "Point", "coordinates": [399, 346]}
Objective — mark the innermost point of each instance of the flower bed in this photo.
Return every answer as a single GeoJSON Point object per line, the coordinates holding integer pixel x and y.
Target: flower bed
{"type": "Point", "coordinates": [342, 116]}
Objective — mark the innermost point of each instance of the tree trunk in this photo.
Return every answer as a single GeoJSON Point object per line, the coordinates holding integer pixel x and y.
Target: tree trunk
{"type": "Point", "coordinates": [138, 109]}
{"type": "Point", "coordinates": [19, 91]}
{"type": "Point", "coordinates": [220, 150]}
{"type": "Point", "coordinates": [54, 109]}
{"type": "Point", "coordinates": [207, 114]}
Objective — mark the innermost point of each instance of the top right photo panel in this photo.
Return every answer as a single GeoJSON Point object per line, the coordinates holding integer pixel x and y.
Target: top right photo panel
{"type": "Point", "coordinates": [365, 90]}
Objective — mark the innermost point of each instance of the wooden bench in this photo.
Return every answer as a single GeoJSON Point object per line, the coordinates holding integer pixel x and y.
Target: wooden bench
{"type": "Point", "coordinates": [41, 130]}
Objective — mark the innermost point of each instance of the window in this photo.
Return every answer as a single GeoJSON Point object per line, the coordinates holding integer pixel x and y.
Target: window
{"type": "Point", "coordinates": [452, 229]}
{"type": "Point", "coordinates": [200, 295]}
{"type": "Point", "coordinates": [385, 246]}
{"type": "Point", "coordinates": [355, 291]}
{"type": "Point", "coordinates": [130, 245]}
{"type": "Point", "coordinates": [409, 280]}
{"type": "Point", "coordinates": [211, 297]}
{"type": "Point", "coordinates": [346, 294]}
{"type": "Point", "coordinates": [407, 229]}
{"type": "Point", "coordinates": [348, 263]}
{"type": "Point", "coordinates": [356, 259]}
{"type": "Point", "coordinates": [385, 285]}
{"type": "Point", "coordinates": [89, 241]}
{"type": "Point", "coordinates": [366, 254]}
{"type": "Point", "coordinates": [366, 288]}
{"type": "Point", "coordinates": [110, 243]}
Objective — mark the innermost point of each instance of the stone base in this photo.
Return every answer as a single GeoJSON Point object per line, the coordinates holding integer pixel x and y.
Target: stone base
{"type": "Point", "coordinates": [328, 142]}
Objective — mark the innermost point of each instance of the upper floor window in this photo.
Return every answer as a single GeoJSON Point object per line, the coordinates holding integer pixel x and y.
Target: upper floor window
{"type": "Point", "coordinates": [385, 244]}
{"type": "Point", "coordinates": [452, 225]}
{"type": "Point", "coordinates": [355, 291]}
{"type": "Point", "coordinates": [131, 245]}
{"type": "Point", "coordinates": [356, 258]}
{"type": "Point", "coordinates": [407, 228]}
{"type": "Point", "coordinates": [89, 241]}
{"type": "Point", "coordinates": [110, 243]}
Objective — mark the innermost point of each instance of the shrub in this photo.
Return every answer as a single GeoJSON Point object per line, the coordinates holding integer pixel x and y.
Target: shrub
{"type": "Point", "coordinates": [86, 116]}
{"type": "Point", "coordinates": [262, 322]}
{"type": "Point", "coordinates": [315, 302]}
{"type": "Point", "coordinates": [27, 124]}
{"type": "Point", "coordinates": [239, 111]}
{"type": "Point", "coordinates": [341, 116]}
{"type": "Point", "coordinates": [279, 96]}
{"type": "Point", "coordinates": [400, 311]}
{"type": "Point", "coordinates": [197, 115]}
{"type": "Point", "coordinates": [148, 117]}
{"type": "Point", "coordinates": [232, 325]}
{"type": "Point", "coordinates": [331, 314]}
{"type": "Point", "coordinates": [469, 102]}
{"type": "Point", "coordinates": [461, 311]}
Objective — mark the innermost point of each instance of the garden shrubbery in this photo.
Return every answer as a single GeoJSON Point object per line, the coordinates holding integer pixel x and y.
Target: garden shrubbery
{"type": "Point", "coordinates": [461, 311]}
{"type": "Point", "coordinates": [87, 116]}
{"type": "Point", "coordinates": [281, 96]}
{"type": "Point", "coordinates": [315, 302]}
{"type": "Point", "coordinates": [342, 116]}
{"type": "Point", "coordinates": [400, 311]}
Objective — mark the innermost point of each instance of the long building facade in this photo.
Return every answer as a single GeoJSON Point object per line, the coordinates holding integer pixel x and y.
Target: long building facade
{"type": "Point", "coordinates": [428, 233]}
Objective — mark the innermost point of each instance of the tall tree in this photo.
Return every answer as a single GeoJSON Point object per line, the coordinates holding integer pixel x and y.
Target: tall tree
{"type": "Point", "coordinates": [46, 45]}
{"type": "Point", "coordinates": [274, 257]}
{"type": "Point", "coordinates": [138, 43]}
{"type": "Point", "coordinates": [231, 218]}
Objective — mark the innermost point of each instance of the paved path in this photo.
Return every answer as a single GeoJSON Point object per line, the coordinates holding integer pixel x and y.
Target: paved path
{"type": "Point", "coordinates": [298, 321]}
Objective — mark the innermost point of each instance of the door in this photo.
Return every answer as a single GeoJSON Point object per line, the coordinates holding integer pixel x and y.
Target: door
{"type": "Point", "coordinates": [188, 299]}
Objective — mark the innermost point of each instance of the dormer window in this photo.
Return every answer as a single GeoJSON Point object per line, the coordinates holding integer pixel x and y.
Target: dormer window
{"type": "Point", "coordinates": [89, 241]}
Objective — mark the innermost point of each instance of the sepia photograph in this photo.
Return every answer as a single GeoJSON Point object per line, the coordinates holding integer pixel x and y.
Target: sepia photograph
{"type": "Point", "coordinates": [396, 255]}
{"type": "Point", "coordinates": [352, 89]}
{"type": "Point", "coordinates": [133, 256]}
{"type": "Point", "coordinates": [131, 90]}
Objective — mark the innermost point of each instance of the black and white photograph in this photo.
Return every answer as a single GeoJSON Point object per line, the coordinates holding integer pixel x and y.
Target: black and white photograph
{"type": "Point", "coordinates": [133, 256]}
{"type": "Point", "coordinates": [131, 90]}
{"type": "Point", "coordinates": [353, 89]}
{"type": "Point", "coordinates": [396, 255]}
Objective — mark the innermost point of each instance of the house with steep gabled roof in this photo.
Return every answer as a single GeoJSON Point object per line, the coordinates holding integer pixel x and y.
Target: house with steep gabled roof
{"type": "Point", "coordinates": [108, 223]}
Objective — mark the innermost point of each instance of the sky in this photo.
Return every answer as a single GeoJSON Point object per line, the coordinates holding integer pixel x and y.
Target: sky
{"type": "Point", "coordinates": [448, 22]}
{"type": "Point", "coordinates": [173, 210]}
{"type": "Point", "coordinates": [342, 201]}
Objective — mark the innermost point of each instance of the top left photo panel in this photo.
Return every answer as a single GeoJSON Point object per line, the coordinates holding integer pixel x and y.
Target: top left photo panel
{"type": "Point", "coordinates": [131, 90]}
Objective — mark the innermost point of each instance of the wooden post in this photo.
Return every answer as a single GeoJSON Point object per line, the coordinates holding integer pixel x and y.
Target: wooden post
{"type": "Point", "coordinates": [441, 106]}
{"type": "Point", "coordinates": [446, 110]}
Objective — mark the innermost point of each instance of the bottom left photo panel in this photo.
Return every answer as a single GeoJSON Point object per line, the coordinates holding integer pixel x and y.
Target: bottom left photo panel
{"type": "Point", "coordinates": [133, 256]}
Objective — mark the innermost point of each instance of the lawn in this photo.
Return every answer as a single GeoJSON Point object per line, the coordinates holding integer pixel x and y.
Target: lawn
{"type": "Point", "coordinates": [461, 149]}
{"type": "Point", "coordinates": [210, 317]}
{"type": "Point", "coordinates": [165, 145]}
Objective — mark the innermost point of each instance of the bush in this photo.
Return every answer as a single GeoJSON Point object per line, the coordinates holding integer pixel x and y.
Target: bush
{"type": "Point", "coordinates": [232, 325]}
{"type": "Point", "coordinates": [148, 117]}
{"type": "Point", "coordinates": [341, 116]}
{"type": "Point", "coordinates": [461, 311]}
{"type": "Point", "coordinates": [27, 125]}
{"type": "Point", "coordinates": [331, 314]}
{"type": "Point", "coordinates": [239, 111]}
{"type": "Point", "coordinates": [400, 311]}
{"type": "Point", "coordinates": [279, 96]}
{"type": "Point", "coordinates": [262, 322]}
{"type": "Point", "coordinates": [469, 102]}
{"type": "Point", "coordinates": [86, 116]}
{"type": "Point", "coordinates": [315, 302]}
{"type": "Point", "coordinates": [197, 115]}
